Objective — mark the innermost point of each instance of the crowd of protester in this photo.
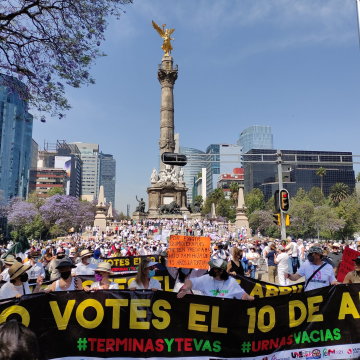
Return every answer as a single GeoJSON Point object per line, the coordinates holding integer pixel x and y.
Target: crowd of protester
{"type": "Point", "coordinates": [231, 254]}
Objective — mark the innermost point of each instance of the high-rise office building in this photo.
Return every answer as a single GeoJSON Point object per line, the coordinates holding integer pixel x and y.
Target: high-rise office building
{"type": "Point", "coordinates": [43, 180]}
{"type": "Point", "coordinates": [220, 152]}
{"type": "Point", "coordinates": [34, 154]}
{"type": "Point", "coordinates": [89, 154]}
{"type": "Point", "coordinates": [67, 157]}
{"type": "Point", "coordinates": [299, 174]}
{"type": "Point", "coordinates": [192, 169]}
{"type": "Point", "coordinates": [16, 126]}
{"type": "Point", "coordinates": [107, 176]}
{"type": "Point", "coordinates": [255, 137]}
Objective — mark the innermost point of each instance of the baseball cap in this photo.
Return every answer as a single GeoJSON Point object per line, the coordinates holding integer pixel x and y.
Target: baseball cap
{"type": "Point", "coordinates": [218, 263]}
{"type": "Point", "coordinates": [315, 249]}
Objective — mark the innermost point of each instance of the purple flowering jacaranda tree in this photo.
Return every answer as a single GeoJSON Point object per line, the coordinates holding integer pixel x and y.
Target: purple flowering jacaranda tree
{"type": "Point", "coordinates": [21, 213]}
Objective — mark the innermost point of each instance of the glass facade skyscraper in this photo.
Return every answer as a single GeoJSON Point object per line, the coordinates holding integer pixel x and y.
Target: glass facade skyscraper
{"type": "Point", "coordinates": [107, 176]}
{"type": "Point", "coordinates": [298, 175]}
{"type": "Point", "coordinates": [16, 126]}
{"type": "Point", "coordinates": [220, 152]}
{"type": "Point", "coordinates": [255, 137]}
{"type": "Point", "coordinates": [191, 170]}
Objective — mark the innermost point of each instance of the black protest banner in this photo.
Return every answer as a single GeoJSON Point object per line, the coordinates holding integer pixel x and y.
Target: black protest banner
{"type": "Point", "coordinates": [166, 280]}
{"type": "Point", "coordinates": [129, 263]}
{"type": "Point", "coordinates": [254, 287]}
{"type": "Point", "coordinates": [147, 324]}
{"type": "Point", "coordinates": [261, 289]}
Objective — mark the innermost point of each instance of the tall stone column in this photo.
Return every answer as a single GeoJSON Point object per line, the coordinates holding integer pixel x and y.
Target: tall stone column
{"type": "Point", "coordinates": [167, 76]}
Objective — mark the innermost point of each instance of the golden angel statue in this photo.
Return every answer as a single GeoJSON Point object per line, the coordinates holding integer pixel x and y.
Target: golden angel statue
{"type": "Point", "coordinates": [165, 34]}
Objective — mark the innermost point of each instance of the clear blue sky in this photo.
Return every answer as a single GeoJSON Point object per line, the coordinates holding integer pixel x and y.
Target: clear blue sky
{"type": "Point", "coordinates": [293, 65]}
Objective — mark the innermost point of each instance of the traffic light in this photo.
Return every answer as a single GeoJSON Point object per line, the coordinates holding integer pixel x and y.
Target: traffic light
{"type": "Point", "coordinates": [288, 220]}
{"type": "Point", "coordinates": [174, 159]}
{"type": "Point", "coordinates": [276, 201]}
{"type": "Point", "coordinates": [277, 219]}
{"type": "Point", "coordinates": [284, 200]}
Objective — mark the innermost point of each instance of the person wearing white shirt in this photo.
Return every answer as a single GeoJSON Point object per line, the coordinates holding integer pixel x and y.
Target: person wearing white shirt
{"type": "Point", "coordinates": [123, 251]}
{"type": "Point", "coordinates": [317, 273]}
{"type": "Point", "coordinates": [301, 252]}
{"type": "Point", "coordinates": [294, 256]}
{"type": "Point", "coordinates": [142, 251]}
{"type": "Point", "coordinates": [9, 261]}
{"type": "Point", "coordinates": [265, 252]}
{"type": "Point", "coordinates": [145, 277]}
{"type": "Point", "coordinates": [181, 275]}
{"type": "Point", "coordinates": [282, 261]}
{"type": "Point", "coordinates": [102, 273]}
{"type": "Point", "coordinates": [18, 284]}
{"type": "Point", "coordinates": [253, 257]}
{"type": "Point", "coordinates": [36, 269]}
{"type": "Point", "coordinates": [84, 267]}
{"type": "Point", "coordinates": [216, 283]}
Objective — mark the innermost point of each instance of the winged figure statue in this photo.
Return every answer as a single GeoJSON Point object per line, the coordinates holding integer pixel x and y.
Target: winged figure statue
{"type": "Point", "coordinates": [165, 34]}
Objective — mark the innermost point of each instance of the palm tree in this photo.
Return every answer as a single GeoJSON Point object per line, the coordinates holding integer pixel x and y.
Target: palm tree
{"type": "Point", "coordinates": [358, 177]}
{"type": "Point", "coordinates": [234, 189]}
{"type": "Point", "coordinates": [321, 172]}
{"type": "Point", "coordinates": [217, 194]}
{"type": "Point", "coordinates": [339, 191]}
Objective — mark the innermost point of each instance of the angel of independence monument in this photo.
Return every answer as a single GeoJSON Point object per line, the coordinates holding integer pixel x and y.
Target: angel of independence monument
{"type": "Point", "coordinates": [167, 192]}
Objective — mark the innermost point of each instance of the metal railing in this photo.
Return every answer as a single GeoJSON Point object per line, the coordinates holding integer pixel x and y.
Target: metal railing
{"type": "Point", "coordinates": [271, 159]}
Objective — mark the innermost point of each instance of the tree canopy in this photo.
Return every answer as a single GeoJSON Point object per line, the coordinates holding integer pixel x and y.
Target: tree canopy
{"type": "Point", "coordinates": [45, 44]}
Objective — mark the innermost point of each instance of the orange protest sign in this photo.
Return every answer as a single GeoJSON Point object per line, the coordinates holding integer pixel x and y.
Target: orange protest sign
{"type": "Point", "coordinates": [191, 252]}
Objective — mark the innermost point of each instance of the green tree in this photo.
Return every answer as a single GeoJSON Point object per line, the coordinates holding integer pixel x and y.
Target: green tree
{"type": "Point", "coordinates": [234, 190]}
{"type": "Point", "coordinates": [302, 213]}
{"type": "Point", "coordinates": [317, 197]}
{"type": "Point", "coordinates": [358, 177]}
{"type": "Point", "coordinates": [217, 195]}
{"type": "Point", "coordinates": [321, 172]}
{"type": "Point", "coordinates": [263, 219]}
{"type": "Point", "coordinates": [270, 205]}
{"type": "Point", "coordinates": [36, 228]}
{"type": "Point", "coordinates": [199, 199]}
{"type": "Point", "coordinates": [55, 230]}
{"type": "Point", "coordinates": [339, 192]}
{"type": "Point", "coordinates": [300, 195]}
{"type": "Point", "coordinates": [327, 221]}
{"type": "Point", "coordinates": [121, 216]}
{"type": "Point", "coordinates": [55, 191]}
{"type": "Point", "coordinates": [223, 208]}
{"type": "Point", "coordinates": [254, 200]}
{"type": "Point", "coordinates": [34, 199]}
{"type": "Point", "coordinates": [348, 209]}
{"type": "Point", "coordinates": [231, 214]}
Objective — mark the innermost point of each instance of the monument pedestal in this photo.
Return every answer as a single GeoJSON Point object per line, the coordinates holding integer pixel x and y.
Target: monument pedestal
{"type": "Point", "coordinates": [241, 218]}
{"type": "Point", "coordinates": [100, 217]}
{"type": "Point", "coordinates": [170, 194]}
{"type": "Point", "coordinates": [139, 216]}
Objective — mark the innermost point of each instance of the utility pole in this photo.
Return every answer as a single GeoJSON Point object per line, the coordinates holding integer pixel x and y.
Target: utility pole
{"type": "Point", "coordinates": [282, 219]}
{"type": "Point", "coordinates": [358, 16]}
